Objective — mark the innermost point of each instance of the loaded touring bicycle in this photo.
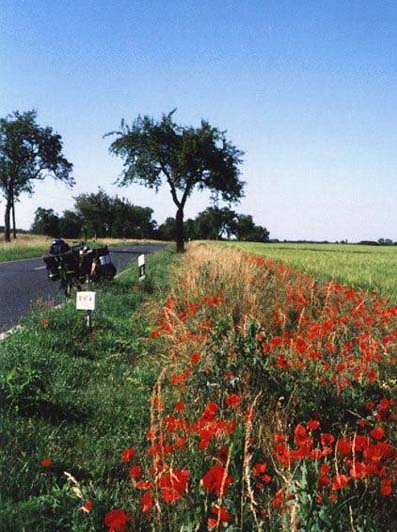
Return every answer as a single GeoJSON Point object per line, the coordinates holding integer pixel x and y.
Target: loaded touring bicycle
{"type": "Point", "coordinates": [74, 266]}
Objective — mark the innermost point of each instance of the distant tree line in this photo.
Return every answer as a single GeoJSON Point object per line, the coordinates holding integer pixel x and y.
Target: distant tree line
{"type": "Point", "coordinates": [99, 214]}
{"type": "Point", "coordinates": [216, 223]}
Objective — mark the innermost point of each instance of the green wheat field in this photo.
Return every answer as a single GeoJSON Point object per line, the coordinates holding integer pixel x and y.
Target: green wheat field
{"type": "Point", "coordinates": [369, 267]}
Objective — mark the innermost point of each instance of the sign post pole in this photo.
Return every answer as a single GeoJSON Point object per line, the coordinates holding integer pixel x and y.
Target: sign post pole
{"type": "Point", "coordinates": [141, 265]}
{"type": "Point", "coordinates": [89, 320]}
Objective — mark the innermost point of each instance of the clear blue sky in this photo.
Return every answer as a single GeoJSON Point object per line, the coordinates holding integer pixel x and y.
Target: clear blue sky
{"type": "Point", "coordinates": [306, 88]}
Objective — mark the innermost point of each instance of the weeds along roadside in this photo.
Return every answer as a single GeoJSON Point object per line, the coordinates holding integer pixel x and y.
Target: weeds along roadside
{"type": "Point", "coordinates": [276, 408]}
{"type": "Point", "coordinates": [77, 401]}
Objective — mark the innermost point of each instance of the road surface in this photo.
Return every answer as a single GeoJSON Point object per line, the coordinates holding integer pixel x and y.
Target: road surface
{"type": "Point", "coordinates": [24, 283]}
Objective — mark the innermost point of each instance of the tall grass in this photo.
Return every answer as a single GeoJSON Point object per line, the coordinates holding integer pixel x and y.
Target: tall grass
{"type": "Point", "coordinates": [29, 246]}
{"type": "Point", "coordinates": [24, 246]}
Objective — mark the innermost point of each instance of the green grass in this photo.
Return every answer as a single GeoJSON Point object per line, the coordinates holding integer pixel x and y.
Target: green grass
{"type": "Point", "coordinates": [77, 399]}
{"type": "Point", "coordinates": [369, 267]}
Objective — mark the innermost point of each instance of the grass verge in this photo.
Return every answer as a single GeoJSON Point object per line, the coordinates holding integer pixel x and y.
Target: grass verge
{"type": "Point", "coordinates": [78, 400]}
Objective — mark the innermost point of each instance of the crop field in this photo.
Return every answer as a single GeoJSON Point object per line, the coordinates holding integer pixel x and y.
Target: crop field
{"type": "Point", "coordinates": [371, 267]}
{"type": "Point", "coordinates": [242, 394]}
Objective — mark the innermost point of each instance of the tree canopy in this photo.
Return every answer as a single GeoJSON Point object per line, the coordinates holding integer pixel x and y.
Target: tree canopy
{"type": "Point", "coordinates": [104, 215]}
{"type": "Point", "coordinates": [216, 223]}
{"type": "Point", "coordinates": [28, 153]}
{"type": "Point", "coordinates": [184, 157]}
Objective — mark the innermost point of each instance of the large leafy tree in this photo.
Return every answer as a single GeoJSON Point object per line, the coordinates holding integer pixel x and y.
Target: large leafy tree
{"type": "Point", "coordinates": [28, 153]}
{"type": "Point", "coordinates": [185, 158]}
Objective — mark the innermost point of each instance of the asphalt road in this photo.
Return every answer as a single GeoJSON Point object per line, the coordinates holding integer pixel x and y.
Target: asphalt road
{"type": "Point", "coordinates": [24, 284]}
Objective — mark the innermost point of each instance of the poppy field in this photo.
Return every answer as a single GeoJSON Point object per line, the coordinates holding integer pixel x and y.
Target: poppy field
{"type": "Point", "coordinates": [273, 408]}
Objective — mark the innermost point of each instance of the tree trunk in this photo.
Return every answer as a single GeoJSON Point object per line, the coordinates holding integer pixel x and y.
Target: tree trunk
{"type": "Point", "coordinates": [180, 248]}
{"type": "Point", "coordinates": [14, 228]}
{"type": "Point", "coordinates": [7, 237]}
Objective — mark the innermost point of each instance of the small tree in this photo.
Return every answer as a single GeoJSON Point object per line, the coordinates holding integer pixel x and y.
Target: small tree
{"type": "Point", "coordinates": [46, 222]}
{"type": "Point", "coordinates": [70, 225]}
{"type": "Point", "coordinates": [28, 153]}
{"type": "Point", "coordinates": [184, 157]}
{"type": "Point", "coordinates": [215, 223]}
{"type": "Point", "coordinates": [246, 229]}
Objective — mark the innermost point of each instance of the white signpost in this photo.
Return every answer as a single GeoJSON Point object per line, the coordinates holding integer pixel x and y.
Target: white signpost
{"type": "Point", "coordinates": [86, 301]}
{"type": "Point", "coordinates": [141, 264]}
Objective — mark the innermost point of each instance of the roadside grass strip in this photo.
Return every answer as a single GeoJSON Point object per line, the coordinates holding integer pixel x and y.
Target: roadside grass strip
{"type": "Point", "coordinates": [71, 402]}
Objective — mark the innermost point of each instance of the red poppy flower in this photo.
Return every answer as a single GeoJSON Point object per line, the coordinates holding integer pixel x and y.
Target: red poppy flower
{"type": "Point", "coordinates": [233, 400]}
{"type": "Point", "coordinates": [377, 433]}
{"type": "Point", "coordinates": [385, 487]}
{"type": "Point", "coordinates": [300, 435]}
{"type": "Point", "coordinates": [174, 485]}
{"type": "Point", "coordinates": [324, 481]}
{"type": "Point", "coordinates": [45, 323]}
{"type": "Point", "coordinates": [327, 439]}
{"type": "Point", "coordinates": [117, 520]}
{"type": "Point", "coordinates": [281, 362]}
{"type": "Point", "coordinates": [179, 406]}
{"type": "Point", "coordinates": [128, 454]}
{"type": "Point", "coordinates": [313, 424]}
{"type": "Point", "coordinates": [257, 469]}
{"type": "Point", "coordinates": [278, 438]}
{"type": "Point", "coordinates": [87, 507]}
{"type": "Point", "coordinates": [222, 515]}
{"type": "Point", "coordinates": [371, 376]}
{"type": "Point", "coordinates": [46, 462]}
{"type": "Point", "coordinates": [344, 446]}
{"type": "Point", "coordinates": [135, 471]}
{"type": "Point", "coordinates": [146, 501]}
{"type": "Point", "coordinates": [195, 358]}
{"type": "Point", "coordinates": [339, 482]}
{"type": "Point", "coordinates": [358, 470]}
{"type": "Point", "coordinates": [325, 469]}
{"type": "Point", "coordinates": [216, 480]}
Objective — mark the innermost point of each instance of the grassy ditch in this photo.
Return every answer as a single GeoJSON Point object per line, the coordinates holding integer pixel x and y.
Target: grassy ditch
{"type": "Point", "coordinates": [78, 401]}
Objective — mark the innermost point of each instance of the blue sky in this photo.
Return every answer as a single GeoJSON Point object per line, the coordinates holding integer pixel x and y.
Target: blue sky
{"type": "Point", "coordinates": [307, 89]}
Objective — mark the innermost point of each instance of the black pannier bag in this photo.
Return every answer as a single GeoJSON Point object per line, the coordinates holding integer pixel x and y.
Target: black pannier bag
{"type": "Point", "coordinates": [104, 266]}
{"type": "Point", "coordinates": [86, 258]}
{"type": "Point", "coordinates": [60, 252]}
{"type": "Point", "coordinates": [52, 267]}
{"type": "Point", "coordinates": [59, 247]}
